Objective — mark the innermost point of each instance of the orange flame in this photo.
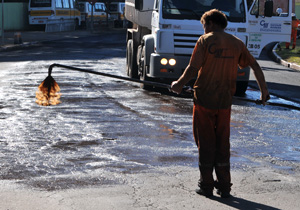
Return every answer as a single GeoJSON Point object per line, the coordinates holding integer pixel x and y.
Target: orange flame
{"type": "Point", "coordinates": [47, 93]}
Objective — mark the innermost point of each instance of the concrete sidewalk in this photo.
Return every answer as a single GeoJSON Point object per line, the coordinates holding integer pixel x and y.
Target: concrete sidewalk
{"type": "Point", "coordinates": [171, 188]}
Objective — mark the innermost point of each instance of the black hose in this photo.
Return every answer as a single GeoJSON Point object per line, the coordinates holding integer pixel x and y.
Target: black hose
{"type": "Point", "coordinates": [155, 84]}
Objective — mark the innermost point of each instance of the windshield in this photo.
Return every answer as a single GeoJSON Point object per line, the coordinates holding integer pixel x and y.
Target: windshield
{"type": "Point", "coordinates": [113, 7]}
{"type": "Point", "coordinates": [40, 3]}
{"type": "Point", "coordinates": [80, 7]}
{"type": "Point", "coordinates": [194, 9]}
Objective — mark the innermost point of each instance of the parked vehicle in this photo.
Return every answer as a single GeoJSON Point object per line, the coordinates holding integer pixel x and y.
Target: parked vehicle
{"type": "Point", "coordinates": [164, 33]}
{"type": "Point", "coordinates": [116, 10]}
{"type": "Point", "coordinates": [99, 12]}
{"type": "Point", "coordinates": [43, 11]}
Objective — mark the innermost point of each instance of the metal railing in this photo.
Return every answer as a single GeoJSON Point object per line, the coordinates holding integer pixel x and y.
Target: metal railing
{"type": "Point", "coordinates": [60, 25]}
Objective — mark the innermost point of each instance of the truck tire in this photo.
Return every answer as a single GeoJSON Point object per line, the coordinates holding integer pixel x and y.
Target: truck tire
{"type": "Point", "coordinates": [131, 65]}
{"type": "Point", "coordinates": [241, 87]}
{"type": "Point", "coordinates": [143, 75]}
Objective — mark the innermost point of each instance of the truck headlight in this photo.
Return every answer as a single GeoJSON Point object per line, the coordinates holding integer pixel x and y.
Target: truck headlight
{"type": "Point", "coordinates": [164, 61]}
{"type": "Point", "coordinates": [172, 62]}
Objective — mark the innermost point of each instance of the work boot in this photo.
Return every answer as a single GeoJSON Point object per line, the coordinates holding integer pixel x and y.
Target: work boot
{"type": "Point", "coordinates": [223, 194]}
{"type": "Point", "coordinates": [205, 189]}
{"type": "Point", "coordinates": [206, 193]}
{"type": "Point", "coordinates": [223, 189]}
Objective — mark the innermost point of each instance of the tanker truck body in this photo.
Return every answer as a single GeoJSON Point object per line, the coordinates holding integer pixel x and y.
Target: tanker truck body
{"type": "Point", "coordinates": [164, 33]}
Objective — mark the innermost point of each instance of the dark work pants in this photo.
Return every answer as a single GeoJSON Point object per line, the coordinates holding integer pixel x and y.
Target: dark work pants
{"type": "Point", "coordinates": [211, 128]}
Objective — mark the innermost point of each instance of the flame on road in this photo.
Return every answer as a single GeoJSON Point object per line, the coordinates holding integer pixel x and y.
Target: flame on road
{"type": "Point", "coordinates": [48, 92]}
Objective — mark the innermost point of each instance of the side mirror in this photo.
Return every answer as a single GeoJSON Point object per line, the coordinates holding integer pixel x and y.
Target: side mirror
{"type": "Point", "coordinates": [138, 5]}
{"type": "Point", "coordinates": [269, 8]}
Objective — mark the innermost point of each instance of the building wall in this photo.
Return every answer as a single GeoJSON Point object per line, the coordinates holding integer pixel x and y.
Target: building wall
{"type": "Point", "coordinates": [283, 4]}
{"type": "Point", "coordinates": [15, 16]}
{"type": "Point", "coordinates": [297, 8]}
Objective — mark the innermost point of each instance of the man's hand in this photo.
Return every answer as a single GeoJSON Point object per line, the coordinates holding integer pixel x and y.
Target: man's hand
{"type": "Point", "coordinates": [259, 75]}
{"type": "Point", "coordinates": [265, 96]}
{"type": "Point", "coordinates": [176, 87]}
{"type": "Point", "coordinates": [189, 73]}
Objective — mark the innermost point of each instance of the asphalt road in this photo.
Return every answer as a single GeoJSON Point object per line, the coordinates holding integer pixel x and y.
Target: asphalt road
{"type": "Point", "coordinates": [105, 129]}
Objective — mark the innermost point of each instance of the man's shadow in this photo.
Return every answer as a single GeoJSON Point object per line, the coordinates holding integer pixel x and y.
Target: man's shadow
{"type": "Point", "coordinates": [240, 203]}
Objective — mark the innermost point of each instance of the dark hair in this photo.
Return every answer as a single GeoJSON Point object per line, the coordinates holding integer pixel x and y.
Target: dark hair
{"type": "Point", "coordinates": [215, 16]}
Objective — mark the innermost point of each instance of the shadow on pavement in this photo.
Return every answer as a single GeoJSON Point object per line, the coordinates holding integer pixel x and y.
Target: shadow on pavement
{"type": "Point", "coordinates": [72, 48]}
{"type": "Point", "coordinates": [240, 203]}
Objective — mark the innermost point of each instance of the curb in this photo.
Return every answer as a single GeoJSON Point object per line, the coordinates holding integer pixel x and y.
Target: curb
{"type": "Point", "coordinates": [18, 46]}
{"type": "Point", "coordinates": [283, 62]}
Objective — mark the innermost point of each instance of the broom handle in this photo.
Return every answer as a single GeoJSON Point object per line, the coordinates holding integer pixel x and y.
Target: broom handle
{"type": "Point", "coordinates": [156, 84]}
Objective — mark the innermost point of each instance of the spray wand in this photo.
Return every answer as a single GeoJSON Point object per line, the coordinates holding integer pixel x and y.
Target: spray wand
{"type": "Point", "coordinates": [48, 91]}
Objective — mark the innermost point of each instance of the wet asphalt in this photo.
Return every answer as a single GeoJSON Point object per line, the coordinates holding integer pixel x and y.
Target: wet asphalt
{"type": "Point", "coordinates": [106, 128]}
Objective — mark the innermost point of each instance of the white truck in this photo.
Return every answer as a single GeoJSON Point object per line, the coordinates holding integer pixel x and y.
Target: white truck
{"type": "Point", "coordinates": [164, 33]}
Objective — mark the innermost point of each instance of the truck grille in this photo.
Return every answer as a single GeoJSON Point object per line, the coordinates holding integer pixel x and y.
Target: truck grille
{"type": "Point", "coordinates": [185, 43]}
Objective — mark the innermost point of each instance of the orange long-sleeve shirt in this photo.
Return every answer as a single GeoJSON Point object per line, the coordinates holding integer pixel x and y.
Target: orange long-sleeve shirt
{"type": "Point", "coordinates": [217, 55]}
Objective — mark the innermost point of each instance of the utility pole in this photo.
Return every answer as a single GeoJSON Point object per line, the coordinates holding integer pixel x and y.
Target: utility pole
{"type": "Point", "coordinates": [92, 18]}
{"type": "Point", "coordinates": [92, 2]}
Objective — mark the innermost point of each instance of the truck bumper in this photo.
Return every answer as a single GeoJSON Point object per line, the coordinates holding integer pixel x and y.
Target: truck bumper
{"type": "Point", "coordinates": [157, 70]}
{"type": "Point", "coordinates": [38, 20]}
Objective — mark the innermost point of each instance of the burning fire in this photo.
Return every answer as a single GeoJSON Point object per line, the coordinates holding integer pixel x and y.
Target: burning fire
{"type": "Point", "coordinates": [47, 93]}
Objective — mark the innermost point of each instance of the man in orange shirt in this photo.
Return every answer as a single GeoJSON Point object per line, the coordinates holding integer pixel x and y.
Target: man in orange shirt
{"type": "Point", "coordinates": [295, 23]}
{"type": "Point", "coordinates": [215, 60]}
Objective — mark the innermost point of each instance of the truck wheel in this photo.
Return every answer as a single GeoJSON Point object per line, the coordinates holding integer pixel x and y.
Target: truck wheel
{"type": "Point", "coordinates": [131, 65]}
{"type": "Point", "coordinates": [143, 76]}
{"type": "Point", "coordinates": [241, 87]}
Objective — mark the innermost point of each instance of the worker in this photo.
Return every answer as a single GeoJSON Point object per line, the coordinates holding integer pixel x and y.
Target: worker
{"type": "Point", "coordinates": [295, 23]}
{"type": "Point", "coordinates": [215, 62]}
{"type": "Point", "coordinates": [278, 11]}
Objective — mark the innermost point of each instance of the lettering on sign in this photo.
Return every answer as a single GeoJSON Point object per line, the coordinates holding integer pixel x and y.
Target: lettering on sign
{"type": "Point", "coordinates": [255, 37]}
{"type": "Point", "coordinates": [270, 27]}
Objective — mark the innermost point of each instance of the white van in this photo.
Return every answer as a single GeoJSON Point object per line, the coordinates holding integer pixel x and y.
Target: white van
{"type": "Point", "coordinates": [99, 12]}
{"type": "Point", "coordinates": [116, 10]}
{"type": "Point", "coordinates": [40, 12]}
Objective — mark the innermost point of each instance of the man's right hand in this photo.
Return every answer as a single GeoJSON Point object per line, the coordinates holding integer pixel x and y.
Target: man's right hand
{"type": "Point", "coordinates": [176, 87]}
